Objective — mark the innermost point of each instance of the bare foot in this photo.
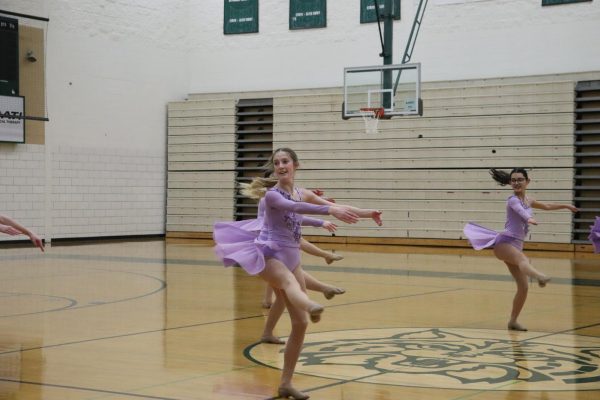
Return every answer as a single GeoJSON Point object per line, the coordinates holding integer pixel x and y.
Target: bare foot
{"type": "Point", "coordinates": [515, 326]}
{"type": "Point", "coordinates": [287, 392]}
{"type": "Point", "coordinates": [266, 304]}
{"type": "Point", "coordinates": [543, 280]}
{"type": "Point", "coordinates": [333, 257]}
{"type": "Point", "coordinates": [272, 339]}
{"type": "Point", "coordinates": [315, 312]}
{"type": "Point", "coordinates": [331, 291]}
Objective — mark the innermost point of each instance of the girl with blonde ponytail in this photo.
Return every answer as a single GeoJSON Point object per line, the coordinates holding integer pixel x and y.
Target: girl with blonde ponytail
{"type": "Point", "coordinates": [275, 254]}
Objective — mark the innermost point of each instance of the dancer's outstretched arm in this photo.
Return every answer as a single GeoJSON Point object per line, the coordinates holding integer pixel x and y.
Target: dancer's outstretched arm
{"type": "Point", "coordinates": [310, 197]}
{"type": "Point", "coordinates": [276, 200]}
{"type": "Point", "coordinates": [11, 227]}
{"type": "Point", "coordinates": [553, 206]}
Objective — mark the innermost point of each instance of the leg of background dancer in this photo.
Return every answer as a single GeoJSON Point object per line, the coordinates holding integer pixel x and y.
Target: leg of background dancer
{"type": "Point", "coordinates": [316, 285]}
{"type": "Point", "coordinates": [279, 277]}
{"type": "Point", "coordinates": [313, 250]}
{"type": "Point", "coordinates": [267, 300]}
{"type": "Point", "coordinates": [274, 314]}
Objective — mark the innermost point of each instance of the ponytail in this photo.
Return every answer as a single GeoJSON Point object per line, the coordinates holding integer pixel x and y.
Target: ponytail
{"type": "Point", "coordinates": [503, 177]}
{"type": "Point", "coordinates": [257, 188]}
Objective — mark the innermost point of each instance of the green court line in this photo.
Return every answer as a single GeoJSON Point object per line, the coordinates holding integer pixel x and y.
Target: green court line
{"type": "Point", "coordinates": [108, 392]}
{"type": "Point", "coordinates": [350, 270]}
{"type": "Point", "coordinates": [165, 384]}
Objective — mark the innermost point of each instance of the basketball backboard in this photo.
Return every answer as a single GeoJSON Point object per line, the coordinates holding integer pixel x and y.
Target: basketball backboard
{"type": "Point", "coordinates": [396, 88]}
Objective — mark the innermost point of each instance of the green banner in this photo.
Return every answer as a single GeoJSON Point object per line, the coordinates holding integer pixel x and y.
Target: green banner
{"type": "Point", "coordinates": [306, 14]}
{"type": "Point", "coordinates": [9, 50]}
{"type": "Point", "coordinates": [367, 10]}
{"type": "Point", "coordinates": [240, 16]}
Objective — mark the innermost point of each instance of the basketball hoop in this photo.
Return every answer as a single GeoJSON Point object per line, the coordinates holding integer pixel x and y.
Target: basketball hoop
{"type": "Point", "coordinates": [371, 116]}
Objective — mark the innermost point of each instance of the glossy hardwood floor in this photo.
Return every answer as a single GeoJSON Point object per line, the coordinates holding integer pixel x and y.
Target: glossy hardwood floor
{"type": "Point", "coordinates": [156, 320]}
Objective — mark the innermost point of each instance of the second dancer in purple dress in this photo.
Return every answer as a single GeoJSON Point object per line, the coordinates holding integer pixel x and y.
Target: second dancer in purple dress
{"type": "Point", "coordinates": [508, 244]}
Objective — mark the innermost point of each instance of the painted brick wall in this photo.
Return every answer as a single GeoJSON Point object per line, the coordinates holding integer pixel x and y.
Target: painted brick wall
{"type": "Point", "coordinates": [106, 192]}
{"type": "Point", "coordinates": [23, 185]}
{"type": "Point", "coordinates": [81, 192]}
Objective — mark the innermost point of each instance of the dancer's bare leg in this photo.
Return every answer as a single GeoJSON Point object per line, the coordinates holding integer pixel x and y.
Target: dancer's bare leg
{"type": "Point", "coordinates": [313, 250]}
{"type": "Point", "coordinates": [316, 285]}
{"type": "Point", "coordinates": [520, 269]}
{"type": "Point", "coordinates": [274, 314]}
{"type": "Point", "coordinates": [278, 306]}
{"type": "Point", "coordinates": [294, 345]}
{"type": "Point", "coordinates": [510, 254]}
{"type": "Point", "coordinates": [520, 296]}
{"type": "Point", "coordinates": [268, 297]}
{"type": "Point", "coordinates": [279, 277]}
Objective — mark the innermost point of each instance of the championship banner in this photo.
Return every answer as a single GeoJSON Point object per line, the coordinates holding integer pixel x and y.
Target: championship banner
{"type": "Point", "coordinates": [12, 124]}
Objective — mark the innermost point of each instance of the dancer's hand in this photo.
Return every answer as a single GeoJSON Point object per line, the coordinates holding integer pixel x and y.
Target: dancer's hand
{"type": "Point", "coordinates": [376, 216]}
{"type": "Point", "coordinates": [330, 226]}
{"type": "Point", "coordinates": [532, 221]}
{"type": "Point", "coordinates": [571, 208]}
{"type": "Point", "coordinates": [9, 230]}
{"type": "Point", "coordinates": [320, 193]}
{"type": "Point", "coordinates": [343, 214]}
{"type": "Point", "coordinates": [37, 242]}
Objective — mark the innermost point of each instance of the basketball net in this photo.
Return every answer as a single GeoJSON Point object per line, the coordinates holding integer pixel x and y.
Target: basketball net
{"type": "Point", "coordinates": [371, 117]}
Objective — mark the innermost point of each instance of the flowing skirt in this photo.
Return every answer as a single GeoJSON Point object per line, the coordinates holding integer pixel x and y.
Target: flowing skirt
{"type": "Point", "coordinates": [481, 237]}
{"type": "Point", "coordinates": [237, 244]}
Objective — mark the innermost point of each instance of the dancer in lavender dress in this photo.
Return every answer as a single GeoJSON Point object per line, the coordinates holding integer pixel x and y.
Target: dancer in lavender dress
{"type": "Point", "coordinates": [594, 236]}
{"type": "Point", "coordinates": [508, 244]}
{"type": "Point", "coordinates": [277, 308]}
{"type": "Point", "coordinates": [275, 254]}
{"type": "Point", "coordinates": [224, 231]}
{"type": "Point", "coordinates": [13, 228]}
{"type": "Point", "coordinates": [312, 283]}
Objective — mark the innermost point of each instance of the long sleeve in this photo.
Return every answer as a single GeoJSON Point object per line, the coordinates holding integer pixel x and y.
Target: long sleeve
{"type": "Point", "coordinates": [276, 200]}
{"type": "Point", "coordinates": [515, 204]}
{"type": "Point", "coordinates": [309, 221]}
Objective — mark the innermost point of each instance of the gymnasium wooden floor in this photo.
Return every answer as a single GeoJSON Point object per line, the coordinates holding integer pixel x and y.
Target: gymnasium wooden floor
{"type": "Point", "coordinates": [156, 320]}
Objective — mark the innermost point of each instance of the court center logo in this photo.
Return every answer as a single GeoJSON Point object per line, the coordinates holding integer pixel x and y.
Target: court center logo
{"type": "Point", "coordinates": [448, 358]}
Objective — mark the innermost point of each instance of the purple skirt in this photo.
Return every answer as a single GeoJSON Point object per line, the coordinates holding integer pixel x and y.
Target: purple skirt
{"type": "Point", "coordinates": [237, 244]}
{"type": "Point", "coordinates": [481, 237]}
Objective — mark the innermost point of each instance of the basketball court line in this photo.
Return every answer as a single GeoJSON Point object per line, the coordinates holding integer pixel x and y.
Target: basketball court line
{"type": "Point", "coordinates": [73, 306]}
{"type": "Point", "coordinates": [132, 334]}
{"type": "Point", "coordinates": [202, 324]}
{"type": "Point", "coordinates": [341, 382]}
{"type": "Point", "coordinates": [84, 389]}
{"type": "Point", "coordinates": [338, 268]}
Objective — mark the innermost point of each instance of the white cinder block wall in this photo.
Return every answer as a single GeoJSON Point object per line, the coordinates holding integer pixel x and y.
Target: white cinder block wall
{"type": "Point", "coordinates": [106, 192]}
{"type": "Point", "coordinates": [23, 185]}
{"type": "Point", "coordinates": [111, 68]}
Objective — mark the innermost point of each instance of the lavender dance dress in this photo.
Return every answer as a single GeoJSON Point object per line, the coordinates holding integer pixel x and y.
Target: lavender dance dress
{"type": "Point", "coordinates": [595, 235]}
{"type": "Point", "coordinates": [279, 237]}
{"type": "Point", "coordinates": [515, 229]}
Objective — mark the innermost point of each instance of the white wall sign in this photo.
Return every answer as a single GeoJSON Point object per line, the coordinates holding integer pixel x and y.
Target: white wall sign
{"type": "Point", "coordinates": [12, 124]}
